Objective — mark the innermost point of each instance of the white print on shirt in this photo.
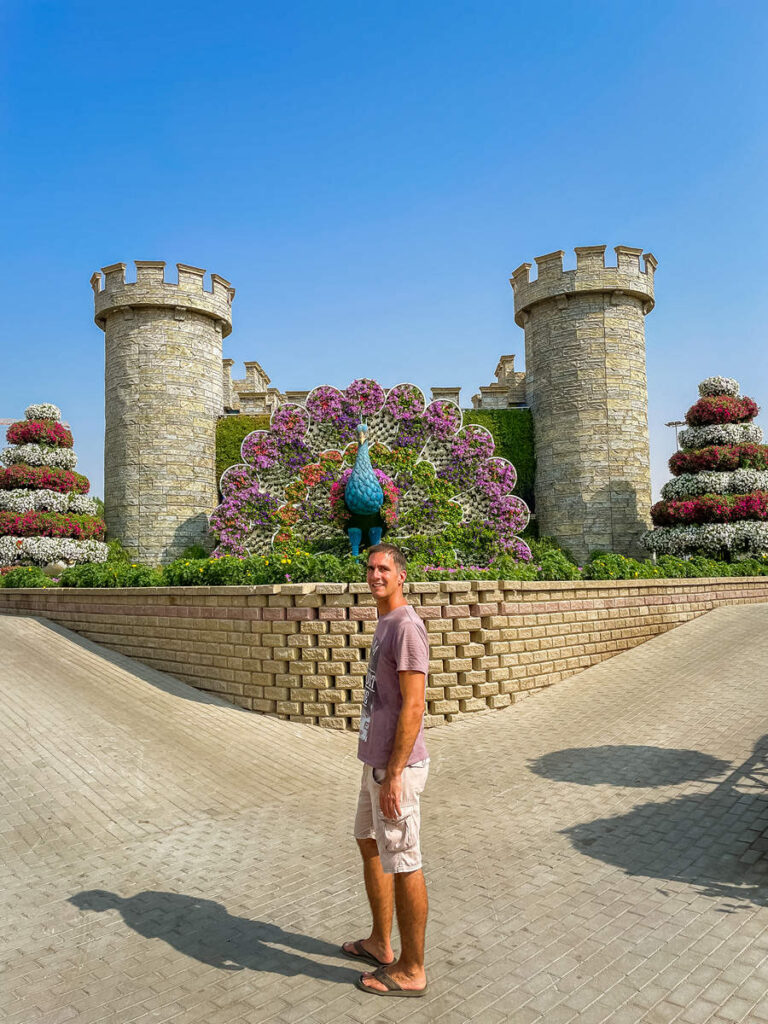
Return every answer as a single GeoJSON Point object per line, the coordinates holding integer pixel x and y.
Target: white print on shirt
{"type": "Point", "coordinates": [366, 715]}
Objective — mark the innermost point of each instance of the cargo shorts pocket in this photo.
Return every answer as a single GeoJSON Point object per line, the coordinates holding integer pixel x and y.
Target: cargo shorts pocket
{"type": "Point", "coordinates": [400, 834]}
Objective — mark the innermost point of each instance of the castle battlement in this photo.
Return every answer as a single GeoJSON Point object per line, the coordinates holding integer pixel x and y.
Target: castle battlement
{"type": "Point", "coordinates": [628, 277]}
{"type": "Point", "coordinates": [113, 294]}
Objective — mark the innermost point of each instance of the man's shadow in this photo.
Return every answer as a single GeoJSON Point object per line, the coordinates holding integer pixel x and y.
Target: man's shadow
{"type": "Point", "coordinates": [206, 931]}
{"type": "Point", "coordinates": [716, 839]}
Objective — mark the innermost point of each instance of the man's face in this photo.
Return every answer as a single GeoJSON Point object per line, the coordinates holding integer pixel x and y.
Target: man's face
{"type": "Point", "coordinates": [384, 579]}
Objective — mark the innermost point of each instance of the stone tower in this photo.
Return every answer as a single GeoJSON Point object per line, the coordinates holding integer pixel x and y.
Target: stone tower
{"type": "Point", "coordinates": [586, 386]}
{"type": "Point", "coordinates": [163, 393]}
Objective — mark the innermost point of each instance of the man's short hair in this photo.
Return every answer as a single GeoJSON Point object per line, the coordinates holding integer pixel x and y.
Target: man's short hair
{"type": "Point", "coordinates": [394, 552]}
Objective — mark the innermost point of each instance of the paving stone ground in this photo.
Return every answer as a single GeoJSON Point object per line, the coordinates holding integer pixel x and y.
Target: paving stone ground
{"type": "Point", "coordinates": [595, 853]}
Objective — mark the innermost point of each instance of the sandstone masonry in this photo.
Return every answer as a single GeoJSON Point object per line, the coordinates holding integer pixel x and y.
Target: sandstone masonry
{"type": "Point", "coordinates": [162, 396]}
{"type": "Point", "coordinates": [586, 387]}
{"type": "Point", "coordinates": [299, 651]}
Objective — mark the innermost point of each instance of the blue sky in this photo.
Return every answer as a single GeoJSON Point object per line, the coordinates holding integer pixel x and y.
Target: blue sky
{"type": "Point", "coordinates": [368, 175]}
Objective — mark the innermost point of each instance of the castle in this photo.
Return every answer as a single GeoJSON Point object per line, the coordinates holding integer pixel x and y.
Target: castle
{"type": "Point", "coordinates": [167, 383]}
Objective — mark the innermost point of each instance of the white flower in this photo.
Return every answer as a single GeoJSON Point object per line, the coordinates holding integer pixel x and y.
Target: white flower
{"type": "Point", "coordinates": [712, 538]}
{"type": "Point", "coordinates": [721, 433]}
{"type": "Point", "coordinates": [21, 501]}
{"type": "Point", "coordinates": [690, 485]}
{"type": "Point", "coordinates": [719, 386]}
{"type": "Point", "coordinates": [43, 550]}
{"type": "Point", "coordinates": [43, 411]}
{"type": "Point", "coordinates": [38, 455]}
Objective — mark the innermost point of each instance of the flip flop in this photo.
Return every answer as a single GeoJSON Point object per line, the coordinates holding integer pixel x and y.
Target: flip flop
{"type": "Point", "coordinates": [392, 988]}
{"type": "Point", "coordinates": [361, 953]}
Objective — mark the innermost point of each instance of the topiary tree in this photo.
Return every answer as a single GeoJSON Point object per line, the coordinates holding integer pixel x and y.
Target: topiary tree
{"type": "Point", "coordinates": [45, 517]}
{"type": "Point", "coordinates": [717, 503]}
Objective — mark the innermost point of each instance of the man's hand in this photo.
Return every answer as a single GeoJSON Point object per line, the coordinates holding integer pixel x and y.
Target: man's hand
{"type": "Point", "coordinates": [389, 796]}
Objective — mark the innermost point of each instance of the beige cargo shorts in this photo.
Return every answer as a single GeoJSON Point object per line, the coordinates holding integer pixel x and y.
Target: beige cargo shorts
{"type": "Point", "coordinates": [398, 840]}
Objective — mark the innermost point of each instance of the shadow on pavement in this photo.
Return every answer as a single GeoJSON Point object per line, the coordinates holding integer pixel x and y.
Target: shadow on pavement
{"type": "Point", "coordinates": [206, 931]}
{"type": "Point", "coordinates": [628, 766]}
{"type": "Point", "coordinates": [716, 840]}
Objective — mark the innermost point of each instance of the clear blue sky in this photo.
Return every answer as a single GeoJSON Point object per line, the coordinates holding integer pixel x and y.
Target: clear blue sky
{"type": "Point", "coordinates": [368, 175]}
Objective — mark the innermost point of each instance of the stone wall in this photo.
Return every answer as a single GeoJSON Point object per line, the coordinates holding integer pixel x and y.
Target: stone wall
{"type": "Point", "coordinates": [299, 651]}
{"type": "Point", "coordinates": [586, 387]}
{"type": "Point", "coordinates": [163, 393]}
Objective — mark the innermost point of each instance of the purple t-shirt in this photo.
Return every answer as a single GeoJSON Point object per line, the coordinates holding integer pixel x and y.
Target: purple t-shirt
{"type": "Point", "coordinates": [400, 644]}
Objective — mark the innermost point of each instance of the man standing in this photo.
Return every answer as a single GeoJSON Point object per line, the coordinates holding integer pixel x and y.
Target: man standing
{"type": "Point", "coordinates": [395, 766]}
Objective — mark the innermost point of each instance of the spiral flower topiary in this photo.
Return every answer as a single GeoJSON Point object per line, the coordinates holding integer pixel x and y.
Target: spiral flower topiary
{"type": "Point", "coordinates": [717, 504]}
{"type": "Point", "coordinates": [437, 476]}
{"type": "Point", "coordinates": [45, 515]}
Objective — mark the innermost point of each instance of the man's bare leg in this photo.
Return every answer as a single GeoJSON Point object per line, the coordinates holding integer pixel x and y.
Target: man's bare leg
{"type": "Point", "coordinates": [379, 889]}
{"type": "Point", "coordinates": [411, 904]}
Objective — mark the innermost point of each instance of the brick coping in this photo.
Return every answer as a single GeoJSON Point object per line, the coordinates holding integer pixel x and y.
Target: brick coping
{"type": "Point", "coordinates": [442, 586]}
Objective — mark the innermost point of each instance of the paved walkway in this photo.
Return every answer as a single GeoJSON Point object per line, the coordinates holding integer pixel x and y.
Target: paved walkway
{"type": "Point", "coordinates": [595, 853]}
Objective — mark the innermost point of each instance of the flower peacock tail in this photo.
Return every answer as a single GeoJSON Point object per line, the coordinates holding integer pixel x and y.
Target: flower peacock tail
{"type": "Point", "coordinates": [432, 477]}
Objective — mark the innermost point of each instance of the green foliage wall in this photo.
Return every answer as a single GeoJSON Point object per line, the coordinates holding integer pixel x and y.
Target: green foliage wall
{"type": "Point", "coordinates": [230, 432]}
{"type": "Point", "coordinates": [512, 430]}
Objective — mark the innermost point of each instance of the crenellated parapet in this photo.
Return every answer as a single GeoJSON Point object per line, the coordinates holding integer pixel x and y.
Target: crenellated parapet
{"type": "Point", "coordinates": [113, 294]}
{"type": "Point", "coordinates": [632, 276]}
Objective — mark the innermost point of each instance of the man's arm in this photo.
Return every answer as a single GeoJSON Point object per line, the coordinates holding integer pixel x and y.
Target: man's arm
{"type": "Point", "coordinates": [408, 725]}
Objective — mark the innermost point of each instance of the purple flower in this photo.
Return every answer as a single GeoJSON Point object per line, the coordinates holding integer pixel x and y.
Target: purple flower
{"type": "Point", "coordinates": [365, 396]}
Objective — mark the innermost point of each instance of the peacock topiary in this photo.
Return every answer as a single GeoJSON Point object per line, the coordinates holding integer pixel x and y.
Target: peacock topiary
{"type": "Point", "coordinates": [366, 462]}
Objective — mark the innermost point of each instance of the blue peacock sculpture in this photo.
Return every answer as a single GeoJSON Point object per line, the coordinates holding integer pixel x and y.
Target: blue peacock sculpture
{"type": "Point", "coordinates": [363, 497]}
{"type": "Point", "coordinates": [366, 462]}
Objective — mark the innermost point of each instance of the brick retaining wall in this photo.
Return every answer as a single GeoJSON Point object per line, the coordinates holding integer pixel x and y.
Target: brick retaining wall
{"type": "Point", "coordinates": [299, 650]}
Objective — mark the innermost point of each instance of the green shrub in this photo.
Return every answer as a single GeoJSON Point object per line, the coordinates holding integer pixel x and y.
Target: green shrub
{"type": "Point", "coordinates": [117, 553]}
{"type": "Point", "coordinates": [512, 430]}
{"type": "Point", "coordinates": [111, 574]}
{"type": "Point", "coordinates": [555, 565]}
{"type": "Point", "coordinates": [542, 546]}
{"type": "Point", "coordinates": [195, 551]}
{"type": "Point", "coordinates": [230, 433]}
{"type": "Point", "coordinates": [26, 576]}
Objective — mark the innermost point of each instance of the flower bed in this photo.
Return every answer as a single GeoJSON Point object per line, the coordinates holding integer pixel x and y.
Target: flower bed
{"type": "Point", "coordinates": [721, 409]}
{"type": "Point", "coordinates": [39, 455]}
{"type": "Point", "coordinates": [20, 500]}
{"type": "Point", "coordinates": [44, 478]}
{"type": "Point", "coordinates": [51, 524]}
{"type": "Point", "coordinates": [46, 432]}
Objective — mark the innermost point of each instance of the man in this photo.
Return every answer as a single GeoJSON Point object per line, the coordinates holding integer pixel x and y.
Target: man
{"type": "Point", "coordinates": [395, 766]}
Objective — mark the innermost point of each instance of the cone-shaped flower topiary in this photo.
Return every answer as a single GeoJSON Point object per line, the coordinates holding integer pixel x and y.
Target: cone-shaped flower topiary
{"type": "Point", "coordinates": [717, 503]}
{"type": "Point", "coordinates": [45, 516]}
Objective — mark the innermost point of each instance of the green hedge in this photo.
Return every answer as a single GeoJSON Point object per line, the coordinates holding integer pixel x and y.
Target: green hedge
{"type": "Point", "coordinates": [230, 433]}
{"type": "Point", "coordinates": [549, 563]}
{"type": "Point", "coordinates": [512, 430]}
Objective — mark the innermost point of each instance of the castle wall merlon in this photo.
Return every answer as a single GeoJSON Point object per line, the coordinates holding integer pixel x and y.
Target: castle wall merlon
{"type": "Point", "coordinates": [521, 275]}
{"type": "Point", "coordinates": [222, 287]}
{"type": "Point", "coordinates": [550, 266]}
{"type": "Point", "coordinates": [628, 259]}
{"type": "Point", "coordinates": [150, 272]}
{"type": "Point", "coordinates": [590, 275]}
{"type": "Point", "coordinates": [151, 290]}
{"type": "Point", "coordinates": [650, 263]}
{"type": "Point", "coordinates": [590, 257]}
{"type": "Point", "coordinates": [190, 278]}
{"type": "Point", "coordinates": [114, 275]}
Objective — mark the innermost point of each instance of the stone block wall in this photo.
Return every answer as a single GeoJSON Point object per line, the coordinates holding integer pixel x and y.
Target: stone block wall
{"type": "Point", "coordinates": [586, 386]}
{"type": "Point", "coordinates": [299, 651]}
{"type": "Point", "coordinates": [163, 393]}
